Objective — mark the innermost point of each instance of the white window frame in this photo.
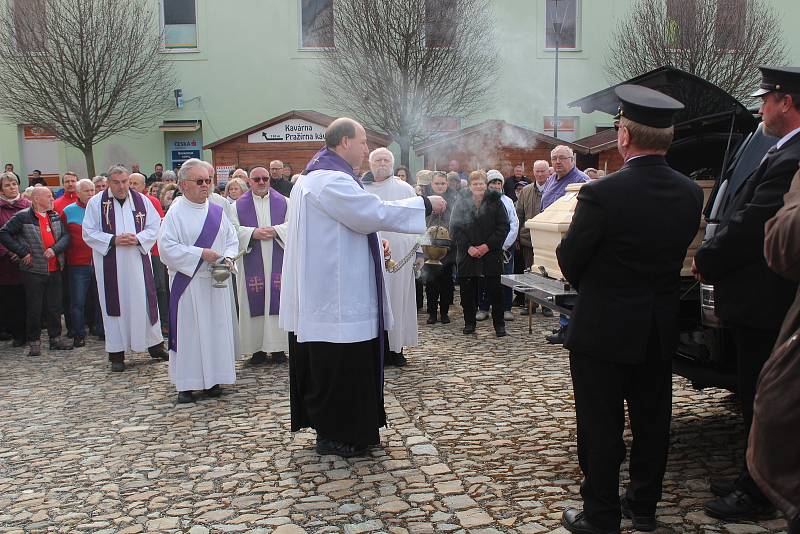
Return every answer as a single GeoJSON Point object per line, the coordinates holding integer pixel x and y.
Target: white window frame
{"type": "Point", "coordinates": [578, 30]}
{"type": "Point", "coordinates": [300, 32]}
{"type": "Point", "coordinates": [162, 25]}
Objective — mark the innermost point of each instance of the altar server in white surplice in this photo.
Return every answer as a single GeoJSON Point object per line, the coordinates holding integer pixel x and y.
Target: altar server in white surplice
{"type": "Point", "coordinates": [195, 234]}
{"type": "Point", "coordinates": [257, 215]}
{"type": "Point", "coordinates": [121, 226]}
{"type": "Point", "coordinates": [399, 285]}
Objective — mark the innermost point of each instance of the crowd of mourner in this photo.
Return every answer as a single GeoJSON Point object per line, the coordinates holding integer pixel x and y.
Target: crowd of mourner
{"type": "Point", "coordinates": [65, 284]}
{"type": "Point", "coordinates": [326, 266]}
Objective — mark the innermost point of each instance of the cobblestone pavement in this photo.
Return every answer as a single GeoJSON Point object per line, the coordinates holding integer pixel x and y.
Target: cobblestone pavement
{"type": "Point", "coordinates": [481, 439]}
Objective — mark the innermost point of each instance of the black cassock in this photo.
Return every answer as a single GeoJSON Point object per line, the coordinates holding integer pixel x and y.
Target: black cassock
{"type": "Point", "coordinates": [623, 253]}
{"type": "Point", "coordinates": [333, 389]}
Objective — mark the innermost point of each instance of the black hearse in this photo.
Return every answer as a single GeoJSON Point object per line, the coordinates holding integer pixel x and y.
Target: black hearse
{"type": "Point", "coordinates": [716, 138]}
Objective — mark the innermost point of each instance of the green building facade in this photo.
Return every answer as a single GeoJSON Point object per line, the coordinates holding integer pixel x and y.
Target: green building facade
{"type": "Point", "coordinates": [241, 62]}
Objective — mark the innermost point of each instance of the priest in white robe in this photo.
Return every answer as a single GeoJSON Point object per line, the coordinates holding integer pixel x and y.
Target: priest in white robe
{"type": "Point", "coordinates": [333, 298]}
{"type": "Point", "coordinates": [400, 284]}
{"type": "Point", "coordinates": [121, 226]}
{"type": "Point", "coordinates": [256, 214]}
{"type": "Point", "coordinates": [195, 234]}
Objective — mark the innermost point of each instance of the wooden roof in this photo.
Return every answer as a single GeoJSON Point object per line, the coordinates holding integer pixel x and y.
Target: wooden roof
{"type": "Point", "coordinates": [599, 142]}
{"type": "Point", "coordinates": [373, 137]}
{"type": "Point", "coordinates": [507, 134]}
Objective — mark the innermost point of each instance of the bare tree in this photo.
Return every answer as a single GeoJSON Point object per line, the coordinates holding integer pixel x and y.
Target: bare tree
{"type": "Point", "coordinates": [83, 69]}
{"type": "Point", "coordinates": [396, 63]}
{"type": "Point", "coordinates": [722, 41]}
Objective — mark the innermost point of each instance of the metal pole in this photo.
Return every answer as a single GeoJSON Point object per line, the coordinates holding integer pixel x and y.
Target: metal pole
{"type": "Point", "coordinates": [555, 98]}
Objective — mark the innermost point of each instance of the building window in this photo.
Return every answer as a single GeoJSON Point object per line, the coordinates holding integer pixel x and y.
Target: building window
{"type": "Point", "coordinates": [316, 18]}
{"type": "Point", "coordinates": [561, 20]}
{"type": "Point", "coordinates": [179, 19]}
{"type": "Point", "coordinates": [730, 24]}
{"type": "Point", "coordinates": [680, 23]}
{"type": "Point", "coordinates": [440, 23]}
{"type": "Point", "coordinates": [30, 28]}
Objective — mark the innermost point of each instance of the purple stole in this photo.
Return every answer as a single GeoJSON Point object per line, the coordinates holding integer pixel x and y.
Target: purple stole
{"type": "Point", "coordinates": [327, 159]}
{"type": "Point", "coordinates": [180, 282]}
{"type": "Point", "coordinates": [253, 261]}
{"type": "Point", "coordinates": [110, 280]}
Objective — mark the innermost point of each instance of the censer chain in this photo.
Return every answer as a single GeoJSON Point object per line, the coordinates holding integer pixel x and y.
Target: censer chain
{"type": "Point", "coordinates": [399, 265]}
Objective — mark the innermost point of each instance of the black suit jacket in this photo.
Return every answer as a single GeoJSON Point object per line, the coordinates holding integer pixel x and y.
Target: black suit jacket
{"type": "Point", "coordinates": [623, 252]}
{"type": "Point", "coordinates": [746, 291]}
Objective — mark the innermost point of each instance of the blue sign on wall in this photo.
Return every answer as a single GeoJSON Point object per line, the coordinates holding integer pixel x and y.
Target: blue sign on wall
{"type": "Point", "coordinates": [179, 156]}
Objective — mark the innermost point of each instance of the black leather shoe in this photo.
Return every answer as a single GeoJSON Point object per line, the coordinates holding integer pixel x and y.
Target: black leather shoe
{"type": "Point", "coordinates": [400, 360]}
{"type": "Point", "coordinates": [258, 358]}
{"type": "Point", "coordinates": [345, 450]}
{"type": "Point", "coordinates": [278, 357]}
{"type": "Point", "coordinates": [547, 312]}
{"type": "Point", "coordinates": [739, 506]}
{"type": "Point", "coordinates": [469, 329]}
{"type": "Point", "coordinates": [431, 319]}
{"type": "Point", "coordinates": [185, 397]}
{"type": "Point", "coordinates": [157, 352]}
{"type": "Point", "coordinates": [78, 342]}
{"type": "Point", "coordinates": [117, 367]}
{"type": "Point", "coordinates": [445, 319]}
{"type": "Point", "coordinates": [558, 337]}
{"type": "Point", "coordinates": [575, 521]}
{"type": "Point", "coordinates": [500, 331]}
{"type": "Point", "coordinates": [721, 487]}
{"type": "Point", "coordinates": [213, 392]}
{"type": "Point", "coordinates": [643, 522]}
{"type": "Point", "coordinates": [525, 312]}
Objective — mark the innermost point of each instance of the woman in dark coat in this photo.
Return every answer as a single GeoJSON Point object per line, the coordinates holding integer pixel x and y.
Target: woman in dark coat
{"type": "Point", "coordinates": [478, 227]}
{"type": "Point", "coordinates": [13, 309]}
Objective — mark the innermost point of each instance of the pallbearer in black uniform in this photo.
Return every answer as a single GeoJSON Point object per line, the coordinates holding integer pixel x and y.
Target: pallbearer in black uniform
{"type": "Point", "coordinates": [750, 298]}
{"type": "Point", "coordinates": [623, 253]}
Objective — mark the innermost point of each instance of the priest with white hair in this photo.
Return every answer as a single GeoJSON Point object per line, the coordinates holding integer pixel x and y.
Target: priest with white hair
{"type": "Point", "coordinates": [202, 332]}
{"type": "Point", "coordinates": [400, 284]}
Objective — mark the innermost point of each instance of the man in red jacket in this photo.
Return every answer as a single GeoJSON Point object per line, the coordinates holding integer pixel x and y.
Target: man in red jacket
{"type": "Point", "coordinates": [69, 181]}
{"type": "Point", "coordinates": [80, 273]}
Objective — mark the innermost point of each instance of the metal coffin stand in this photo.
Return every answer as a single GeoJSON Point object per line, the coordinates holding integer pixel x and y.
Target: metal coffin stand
{"type": "Point", "coordinates": [554, 294]}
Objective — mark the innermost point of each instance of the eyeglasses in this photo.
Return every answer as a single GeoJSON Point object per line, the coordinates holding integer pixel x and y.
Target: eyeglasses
{"type": "Point", "coordinates": [260, 179]}
{"type": "Point", "coordinates": [202, 181]}
{"type": "Point", "coordinates": [562, 158]}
